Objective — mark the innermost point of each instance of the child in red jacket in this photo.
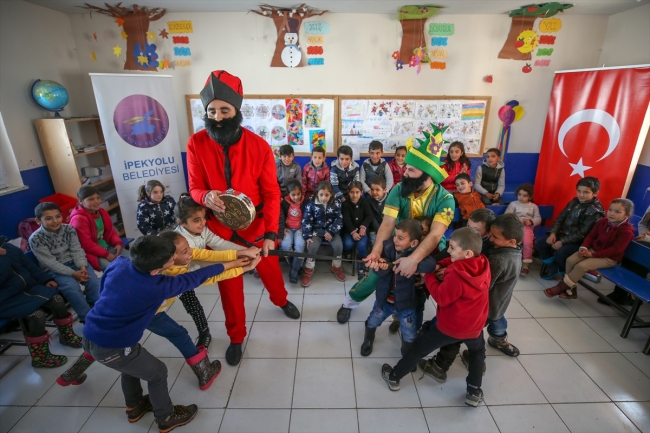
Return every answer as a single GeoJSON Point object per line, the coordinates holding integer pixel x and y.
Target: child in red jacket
{"type": "Point", "coordinates": [603, 247]}
{"type": "Point", "coordinates": [462, 300]}
{"type": "Point", "coordinates": [96, 232]}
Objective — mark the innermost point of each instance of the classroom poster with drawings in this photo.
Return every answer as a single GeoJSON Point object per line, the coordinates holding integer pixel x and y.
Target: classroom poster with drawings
{"type": "Point", "coordinates": [304, 123]}
{"type": "Point", "coordinates": [394, 121]}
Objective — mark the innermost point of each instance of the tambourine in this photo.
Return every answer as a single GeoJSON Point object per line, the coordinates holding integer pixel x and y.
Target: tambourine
{"type": "Point", "coordinates": [240, 211]}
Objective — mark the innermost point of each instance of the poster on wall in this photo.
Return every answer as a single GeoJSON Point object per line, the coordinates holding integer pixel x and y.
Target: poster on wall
{"type": "Point", "coordinates": [302, 122]}
{"type": "Point", "coordinates": [392, 121]}
{"type": "Point", "coordinates": [138, 119]}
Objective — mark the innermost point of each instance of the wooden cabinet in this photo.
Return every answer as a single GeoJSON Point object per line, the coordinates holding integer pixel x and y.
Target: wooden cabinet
{"type": "Point", "coordinates": [63, 142]}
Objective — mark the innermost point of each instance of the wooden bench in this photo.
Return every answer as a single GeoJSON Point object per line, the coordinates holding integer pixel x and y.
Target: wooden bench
{"type": "Point", "coordinates": [635, 284]}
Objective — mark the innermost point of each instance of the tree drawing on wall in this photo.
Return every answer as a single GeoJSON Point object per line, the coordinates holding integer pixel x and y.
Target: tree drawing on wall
{"type": "Point", "coordinates": [412, 18]}
{"type": "Point", "coordinates": [140, 55]}
{"type": "Point", "coordinates": [287, 22]}
{"type": "Point", "coordinates": [522, 20]}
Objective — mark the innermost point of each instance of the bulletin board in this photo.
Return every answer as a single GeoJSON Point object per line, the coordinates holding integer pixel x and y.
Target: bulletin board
{"type": "Point", "coordinates": [394, 119]}
{"type": "Point", "coordinates": [303, 121]}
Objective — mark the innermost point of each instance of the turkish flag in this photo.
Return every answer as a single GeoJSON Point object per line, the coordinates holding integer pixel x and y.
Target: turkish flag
{"type": "Point", "coordinates": [596, 125]}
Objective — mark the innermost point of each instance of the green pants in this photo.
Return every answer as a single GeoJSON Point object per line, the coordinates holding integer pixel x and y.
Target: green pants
{"type": "Point", "coordinates": [364, 288]}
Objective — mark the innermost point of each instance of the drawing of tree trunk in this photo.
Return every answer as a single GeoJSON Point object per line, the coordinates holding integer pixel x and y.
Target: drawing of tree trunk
{"type": "Point", "coordinates": [412, 19]}
{"type": "Point", "coordinates": [140, 55]}
{"type": "Point", "coordinates": [286, 20]}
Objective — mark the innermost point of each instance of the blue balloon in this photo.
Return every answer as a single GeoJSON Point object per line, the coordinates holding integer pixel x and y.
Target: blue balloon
{"type": "Point", "coordinates": [512, 103]}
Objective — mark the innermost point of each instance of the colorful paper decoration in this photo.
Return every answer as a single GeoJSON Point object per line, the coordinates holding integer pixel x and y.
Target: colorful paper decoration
{"type": "Point", "coordinates": [437, 41]}
{"type": "Point", "coordinates": [164, 34]}
{"type": "Point", "coordinates": [135, 22]}
{"type": "Point", "coordinates": [315, 39]}
{"type": "Point", "coordinates": [151, 35]}
{"type": "Point", "coordinates": [488, 79]}
{"type": "Point", "coordinates": [544, 52]}
{"type": "Point", "coordinates": [124, 35]}
{"type": "Point", "coordinates": [95, 36]}
{"type": "Point", "coordinates": [287, 22]}
{"type": "Point", "coordinates": [523, 19]}
{"type": "Point", "coordinates": [317, 28]}
{"type": "Point", "coordinates": [550, 25]}
{"type": "Point", "coordinates": [117, 50]}
{"type": "Point", "coordinates": [545, 62]}
{"type": "Point", "coordinates": [546, 40]}
{"type": "Point", "coordinates": [93, 56]}
{"type": "Point", "coordinates": [438, 65]}
{"type": "Point", "coordinates": [526, 69]}
{"type": "Point", "coordinates": [444, 29]}
{"type": "Point", "coordinates": [526, 41]}
{"type": "Point", "coordinates": [412, 19]}
{"type": "Point", "coordinates": [180, 39]}
{"type": "Point", "coordinates": [508, 114]}
{"type": "Point", "coordinates": [180, 26]}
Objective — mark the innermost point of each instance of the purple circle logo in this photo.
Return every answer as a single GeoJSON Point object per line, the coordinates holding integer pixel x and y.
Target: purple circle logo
{"type": "Point", "coordinates": [141, 121]}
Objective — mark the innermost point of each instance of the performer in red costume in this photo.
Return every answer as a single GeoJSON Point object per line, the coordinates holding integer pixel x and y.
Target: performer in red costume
{"type": "Point", "coordinates": [224, 155]}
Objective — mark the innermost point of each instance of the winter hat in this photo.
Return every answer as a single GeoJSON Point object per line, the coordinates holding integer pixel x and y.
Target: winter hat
{"type": "Point", "coordinates": [223, 86]}
{"type": "Point", "coordinates": [426, 156]}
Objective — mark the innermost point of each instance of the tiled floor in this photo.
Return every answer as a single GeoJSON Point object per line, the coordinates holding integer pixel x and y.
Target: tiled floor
{"type": "Point", "coordinates": [575, 373]}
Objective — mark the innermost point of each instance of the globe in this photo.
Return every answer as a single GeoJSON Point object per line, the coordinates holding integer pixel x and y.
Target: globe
{"type": "Point", "coordinates": [50, 95]}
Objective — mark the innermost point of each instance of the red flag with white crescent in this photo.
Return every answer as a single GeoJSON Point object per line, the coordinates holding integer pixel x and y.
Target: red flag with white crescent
{"type": "Point", "coordinates": [596, 125]}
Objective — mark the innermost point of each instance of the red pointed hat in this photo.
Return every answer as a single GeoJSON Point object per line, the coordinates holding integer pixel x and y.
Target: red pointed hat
{"type": "Point", "coordinates": [223, 86]}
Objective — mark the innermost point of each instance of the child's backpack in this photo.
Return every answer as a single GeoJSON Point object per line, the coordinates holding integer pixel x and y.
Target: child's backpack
{"type": "Point", "coordinates": [25, 229]}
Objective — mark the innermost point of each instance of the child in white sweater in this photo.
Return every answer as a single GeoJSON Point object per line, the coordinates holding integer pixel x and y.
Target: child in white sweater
{"type": "Point", "coordinates": [528, 213]}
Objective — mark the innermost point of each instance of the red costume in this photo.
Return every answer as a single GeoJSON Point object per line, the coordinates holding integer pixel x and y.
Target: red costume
{"type": "Point", "coordinates": [252, 173]}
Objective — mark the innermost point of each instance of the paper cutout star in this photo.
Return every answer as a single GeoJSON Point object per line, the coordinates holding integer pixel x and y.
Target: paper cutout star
{"type": "Point", "coordinates": [579, 168]}
{"type": "Point", "coordinates": [143, 60]}
{"type": "Point", "coordinates": [172, 64]}
{"type": "Point", "coordinates": [124, 35]}
{"type": "Point", "coordinates": [164, 34]}
{"type": "Point", "coordinates": [151, 36]}
{"type": "Point", "coordinates": [93, 56]}
{"type": "Point", "coordinates": [166, 64]}
{"type": "Point", "coordinates": [117, 51]}
{"type": "Point", "coordinates": [119, 21]}
{"type": "Point", "coordinates": [95, 36]}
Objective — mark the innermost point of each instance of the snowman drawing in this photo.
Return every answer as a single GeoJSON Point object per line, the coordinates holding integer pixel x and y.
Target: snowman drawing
{"type": "Point", "coordinates": [291, 54]}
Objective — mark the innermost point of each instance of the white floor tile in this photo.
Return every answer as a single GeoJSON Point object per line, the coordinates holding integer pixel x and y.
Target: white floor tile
{"type": "Point", "coordinates": [324, 383]}
{"type": "Point", "coordinates": [24, 384]}
{"type": "Point", "coordinates": [326, 284]}
{"type": "Point", "coordinates": [528, 283]}
{"type": "Point", "coordinates": [273, 340]}
{"type": "Point", "coordinates": [538, 305]}
{"type": "Point", "coordinates": [610, 329]}
{"type": "Point", "coordinates": [392, 420]}
{"type": "Point", "coordinates": [594, 418]}
{"type": "Point", "coordinates": [91, 393]}
{"type": "Point", "coordinates": [321, 308]}
{"type": "Point", "coordinates": [9, 416]}
{"type": "Point", "coordinates": [324, 421]}
{"type": "Point", "coordinates": [561, 380]}
{"type": "Point", "coordinates": [255, 420]}
{"type": "Point", "coordinates": [640, 360]}
{"type": "Point", "coordinates": [460, 420]}
{"type": "Point", "coordinates": [615, 375]}
{"type": "Point", "coordinates": [267, 312]}
{"type": "Point", "coordinates": [373, 392]}
{"type": "Point", "coordinates": [361, 313]}
{"type": "Point", "coordinates": [221, 341]}
{"type": "Point", "coordinates": [7, 362]}
{"type": "Point", "coordinates": [53, 419]}
{"type": "Point", "coordinates": [587, 305]}
{"type": "Point", "coordinates": [324, 340]}
{"type": "Point", "coordinates": [506, 382]}
{"type": "Point", "coordinates": [251, 301]}
{"type": "Point", "coordinates": [516, 310]}
{"type": "Point", "coordinates": [575, 336]}
{"type": "Point", "coordinates": [114, 420]}
{"type": "Point", "coordinates": [178, 313]}
{"type": "Point", "coordinates": [386, 345]}
{"type": "Point", "coordinates": [252, 284]}
{"type": "Point", "coordinates": [638, 413]}
{"type": "Point", "coordinates": [185, 389]}
{"type": "Point", "coordinates": [530, 338]}
{"type": "Point", "coordinates": [450, 393]}
{"type": "Point", "coordinates": [528, 418]}
{"type": "Point", "coordinates": [264, 383]}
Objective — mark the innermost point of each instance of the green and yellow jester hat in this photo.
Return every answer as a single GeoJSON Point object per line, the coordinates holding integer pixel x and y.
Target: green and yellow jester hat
{"type": "Point", "coordinates": [426, 155]}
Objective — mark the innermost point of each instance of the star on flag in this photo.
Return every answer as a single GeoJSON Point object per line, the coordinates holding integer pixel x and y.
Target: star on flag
{"type": "Point", "coordinates": [579, 168]}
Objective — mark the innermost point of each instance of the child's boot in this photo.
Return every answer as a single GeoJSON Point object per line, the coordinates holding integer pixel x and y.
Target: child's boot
{"type": "Point", "coordinates": [67, 337]}
{"type": "Point", "coordinates": [394, 325]}
{"type": "Point", "coordinates": [524, 267]}
{"type": "Point", "coordinates": [338, 272]}
{"type": "Point", "coordinates": [306, 277]}
{"type": "Point", "coordinates": [572, 291]}
{"type": "Point", "coordinates": [76, 375]}
{"type": "Point", "coordinates": [502, 344]}
{"type": "Point", "coordinates": [432, 369]}
{"type": "Point", "coordinates": [474, 396]}
{"type": "Point", "coordinates": [561, 287]}
{"type": "Point", "coordinates": [39, 350]}
{"type": "Point", "coordinates": [204, 338]}
{"type": "Point", "coordinates": [295, 270]}
{"type": "Point", "coordinates": [368, 340]}
{"type": "Point", "coordinates": [180, 415]}
{"type": "Point", "coordinates": [136, 412]}
{"type": "Point", "coordinates": [205, 371]}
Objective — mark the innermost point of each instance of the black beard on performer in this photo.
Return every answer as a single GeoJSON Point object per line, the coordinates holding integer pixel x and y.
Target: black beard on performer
{"type": "Point", "coordinates": [410, 184]}
{"type": "Point", "coordinates": [226, 131]}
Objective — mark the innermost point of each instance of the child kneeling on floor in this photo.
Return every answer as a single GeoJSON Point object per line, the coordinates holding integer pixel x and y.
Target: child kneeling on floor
{"type": "Point", "coordinates": [131, 292]}
{"type": "Point", "coordinates": [603, 247]}
{"type": "Point", "coordinates": [462, 309]}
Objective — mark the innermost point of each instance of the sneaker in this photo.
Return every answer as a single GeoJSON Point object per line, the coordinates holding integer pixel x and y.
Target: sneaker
{"type": "Point", "coordinates": [338, 273]}
{"type": "Point", "coordinates": [474, 396]}
{"type": "Point", "coordinates": [503, 346]}
{"type": "Point", "coordinates": [138, 411]}
{"type": "Point", "coordinates": [343, 315]}
{"type": "Point", "coordinates": [431, 369]}
{"type": "Point", "coordinates": [306, 277]}
{"type": "Point", "coordinates": [465, 358]}
{"type": "Point", "coordinates": [393, 385]}
{"type": "Point", "coordinates": [524, 269]}
{"type": "Point", "coordinates": [394, 326]}
{"type": "Point", "coordinates": [180, 415]}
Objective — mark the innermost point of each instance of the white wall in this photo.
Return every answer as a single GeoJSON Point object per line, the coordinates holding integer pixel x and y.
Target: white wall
{"type": "Point", "coordinates": [35, 42]}
{"type": "Point", "coordinates": [357, 61]}
{"type": "Point", "coordinates": [627, 42]}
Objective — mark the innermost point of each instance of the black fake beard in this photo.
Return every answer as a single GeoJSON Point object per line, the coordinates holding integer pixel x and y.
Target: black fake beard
{"type": "Point", "coordinates": [410, 184]}
{"type": "Point", "coordinates": [226, 131]}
